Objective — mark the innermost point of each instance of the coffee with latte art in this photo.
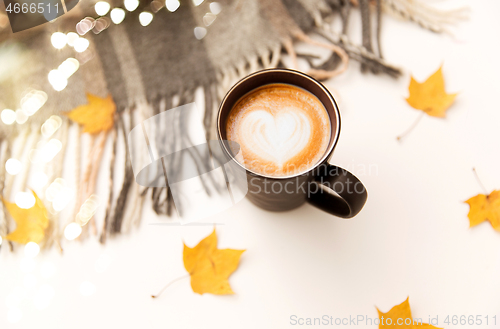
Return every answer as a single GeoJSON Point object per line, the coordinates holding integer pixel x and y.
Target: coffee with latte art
{"type": "Point", "coordinates": [281, 129]}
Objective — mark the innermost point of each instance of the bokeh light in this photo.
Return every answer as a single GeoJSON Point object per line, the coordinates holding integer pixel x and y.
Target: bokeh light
{"type": "Point", "coordinates": [172, 5]}
{"type": "Point", "coordinates": [131, 5]}
{"type": "Point", "coordinates": [209, 18]}
{"type": "Point", "coordinates": [32, 101]}
{"type": "Point", "coordinates": [21, 116]}
{"type": "Point", "coordinates": [145, 18]}
{"type": "Point", "coordinates": [8, 116]}
{"type": "Point", "coordinates": [24, 200]}
{"type": "Point", "coordinates": [81, 44]}
{"type": "Point", "coordinates": [84, 26]}
{"type": "Point", "coordinates": [31, 249]}
{"type": "Point", "coordinates": [215, 8]}
{"type": "Point", "coordinates": [102, 8]}
{"type": "Point", "coordinates": [57, 80]}
{"type": "Point", "coordinates": [51, 125]}
{"type": "Point", "coordinates": [13, 166]}
{"type": "Point", "coordinates": [58, 40]}
{"type": "Point", "coordinates": [117, 15]}
{"type": "Point", "coordinates": [200, 32]}
{"type": "Point", "coordinates": [72, 231]}
{"type": "Point", "coordinates": [72, 37]}
{"type": "Point", "coordinates": [69, 67]}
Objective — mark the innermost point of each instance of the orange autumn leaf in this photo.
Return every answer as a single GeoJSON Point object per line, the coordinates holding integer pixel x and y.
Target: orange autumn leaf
{"type": "Point", "coordinates": [430, 96]}
{"type": "Point", "coordinates": [400, 317]}
{"type": "Point", "coordinates": [31, 223]}
{"type": "Point", "coordinates": [96, 116]}
{"type": "Point", "coordinates": [485, 208]}
{"type": "Point", "coordinates": [210, 267]}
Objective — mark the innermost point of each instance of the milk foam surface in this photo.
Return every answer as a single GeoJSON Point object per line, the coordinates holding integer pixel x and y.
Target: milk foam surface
{"type": "Point", "coordinates": [281, 129]}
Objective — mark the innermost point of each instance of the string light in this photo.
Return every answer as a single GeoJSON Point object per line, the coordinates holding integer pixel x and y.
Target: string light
{"type": "Point", "coordinates": [131, 5]}
{"type": "Point", "coordinates": [8, 116]}
{"type": "Point", "coordinates": [25, 200]}
{"type": "Point", "coordinates": [1, 240]}
{"type": "Point", "coordinates": [197, 2]}
{"type": "Point", "coordinates": [31, 249]}
{"type": "Point", "coordinates": [172, 5]}
{"type": "Point", "coordinates": [117, 15]}
{"type": "Point", "coordinates": [200, 32]}
{"type": "Point", "coordinates": [72, 231]}
{"type": "Point", "coordinates": [145, 18]}
{"type": "Point", "coordinates": [13, 166]}
{"type": "Point", "coordinates": [81, 44]}
{"type": "Point", "coordinates": [215, 8]}
{"type": "Point", "coordinates": [102, 8]}
{"type": "Point", "coordinates": [58, 40]}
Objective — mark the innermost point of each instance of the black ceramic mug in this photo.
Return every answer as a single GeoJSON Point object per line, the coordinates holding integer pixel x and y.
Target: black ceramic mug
{"type": "Point", "coordinates": [325, 186]}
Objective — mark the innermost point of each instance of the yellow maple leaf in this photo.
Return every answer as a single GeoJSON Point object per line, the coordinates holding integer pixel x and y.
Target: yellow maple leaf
{"type": "Point", "coordinates": [31, 223]}
{"type": "Point", "coordinates": [210, 267]}
{"type": "Point", "coordinates": [485, 207]}
{"type": "Point", "coordinates": [400, 317]}
{"type": "Point", "coordinates": [430, 96]}
{"type": "Point", "coordinates": [96, 116]}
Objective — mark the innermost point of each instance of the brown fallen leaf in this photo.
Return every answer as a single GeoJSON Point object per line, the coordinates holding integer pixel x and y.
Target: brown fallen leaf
{"type": "Point", "coordinates": [210, 267]}
{"type": "Point", "coordinates": [430, 96]}
{"type": "Point", "coordinates": [400, 317]}
{"type": "Point", "coordinates": [96, 116]}
{"type": "Point", "coordinates": [31, 223]}
{"type": "Point", "coordinates": [485, 208]}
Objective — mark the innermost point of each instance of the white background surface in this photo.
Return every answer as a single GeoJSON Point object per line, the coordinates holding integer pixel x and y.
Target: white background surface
{"type": "Point", "coordinates": [411, 239]}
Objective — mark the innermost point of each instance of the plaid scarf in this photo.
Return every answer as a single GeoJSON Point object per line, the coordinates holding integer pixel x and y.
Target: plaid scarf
{"type": "Point", "coordinates": [156, 67]}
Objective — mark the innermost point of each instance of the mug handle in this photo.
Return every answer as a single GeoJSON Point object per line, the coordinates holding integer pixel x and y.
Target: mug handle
{"type": "Point", "coordinates": [338, 192]}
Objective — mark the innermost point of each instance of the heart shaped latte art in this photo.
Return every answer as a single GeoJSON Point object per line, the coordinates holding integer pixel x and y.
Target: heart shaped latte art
{"type": "Point", "coordinates": [281, 130]}
{"type": "Point", "coordinates": [275, 138]}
